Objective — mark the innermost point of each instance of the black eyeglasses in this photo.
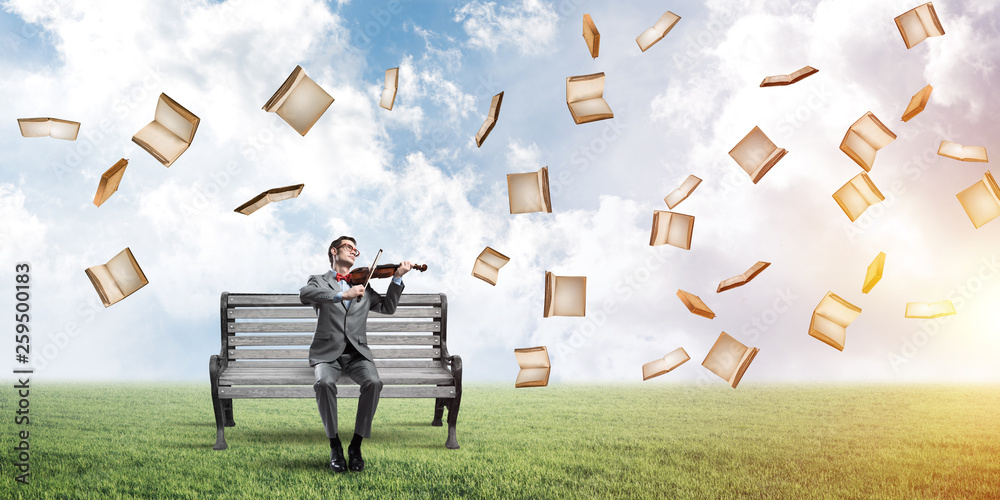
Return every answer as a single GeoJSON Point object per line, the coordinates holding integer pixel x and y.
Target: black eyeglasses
{"type": "Point", "coordinates": [353, 250]}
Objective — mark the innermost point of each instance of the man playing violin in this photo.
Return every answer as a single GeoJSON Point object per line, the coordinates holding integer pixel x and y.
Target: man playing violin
{"type": "Point", "coordinates": [340, 344]}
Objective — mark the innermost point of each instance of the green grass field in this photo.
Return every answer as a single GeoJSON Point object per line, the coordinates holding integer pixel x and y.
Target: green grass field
{"type": "Point", "coordinates": [621, 441]}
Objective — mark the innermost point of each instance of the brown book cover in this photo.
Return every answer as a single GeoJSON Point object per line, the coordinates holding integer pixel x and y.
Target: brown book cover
{"type": "Point", "coordinates": [269, 196]}
{"type": "Point", "coordinates": [491, 119]}
{"type": "Point", "coordinates": [695, 304]}
{"type": "Point", "coordinates": [110, 181]}
{"type": "Point", "coordinates": [592, 36]}
{"type": "Point", "coordinates": [917, 103]}
{"type": "Point", "coordinates": [742, 279]}
{"type": "Point", "coordinates": [779, 80]}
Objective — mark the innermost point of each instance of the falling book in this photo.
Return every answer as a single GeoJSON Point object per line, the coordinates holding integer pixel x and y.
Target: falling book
{"type": "Point", "coordinates": [671, 228]}
{"type": "Point", "coordinates": [585, 98]}
{"type": "Point", "coordinates": [695, 304]}
{"type": "Point", "coordinates": [918, 24]}
{"type": "Point", "coordinates": [874, 273]}
{"type": "Point", "coordinates": [170, 133]}
{"type": "Point", "coordinates": [591, 35]}
{"type": "Point", "coordinates": [118, 278]}
{"type": "Point", "coordinates": [488, 264]}
{"type": "Point", "coordinates": [981, 200]}
{"type": "Point", "coordinates": [659, 30]}
{"type": "Point", "coordinates": [110, 181]}
{"type": "Point", "coordinates": [864, 138]}
{"type": "Point", "coordinates": [565, 295]}
{"type": "Point", "coordinates": [271, 195]}
{"type": "Point", "coordinates": [857, 195]}
{"type": "Point", "coordinates": [535, 367]}
{"type": "Point", "coordinates": [929, 310]}
{"type": "Point", "coordinates": [658, 367]}
{"type": "Point", "coordinates": [756, 154]}
{"type": "Point", "coordinates": [49, 127]}
{"type": "Point", "coordinates": [299, 101]}
{"type": "Point", "coordinates": [729, 359]}
{"type": "Point", "coordinates": [917, 103]}
{"type": "Point", "coordinates": [680, 194]}
{"type": "Point", "coordinates": [389, 92]}
{"type": "Point", "coordinates": [776, 80]}
{"type": "Point", "coordinates": [957, 151]}
{"type": "Point", "coordinates": [529, 192]}
{"type": "Point", "coordinates": [831, 318]}
{"type": "Point", "coordinates": [491, 119]}
{"type": "Point", "coordinates": [742, 279]}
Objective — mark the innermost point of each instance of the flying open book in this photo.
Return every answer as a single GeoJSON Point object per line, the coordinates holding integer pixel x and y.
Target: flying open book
{"type": "Point", "coordinates": [918, 24]}
{"type": "Point", "coordinates": [874, 274]}
{"type": "Point", "coordinates": [535, 367]}
{"type": "Point", "coordinates": [389, 92]}
{"type": "Point", "coordinates": [917, 103]}
{"type": "Point", "coordinates": [170, 133]}
{"type": "Point", "coordinates": [659, 30]}
{"type": "Point", "coordinates": [756, 154]}
{"type": "Point", "coordinates": [981, 200]}
{"type": "Point", "coordinates": [658, 367]}
{"type": "Point", "coordinates": [491, 119]}
{"type": "Point", "coordinates": [729, 359]}
{"type": "Point", "coordinates": [929, 310]}
{"type": "Point", "coordinates": [591, 35]}
{"type": "Point", "coordinates": [49, 127]}
{"type": "Point", "coordinates": [857, 195]}
{"type": "Point", "coordinates": [671, 228]}
{"type": "Point", "coordinates": [864, 138]}
{"type": "Point", "coordinates": [299, 101]}
{"type": "Point", "coordinates": [585, 98]}
{"type": "Point", "coordinates": [776, 80]}
{"type": "Point", "coordinates": [118, 278]}
{"type": "Point", "coordinates": [957, 151]}
{"type": "Point", "coordinates": [831, 318]}
{"type": "Point", "coordinates": [680, 194]}
{"type": "Point", "coordinates": [488, 264]}
{"type": "Point", "coordinates": [271, 195]}
{"type": "Point", "coordinates": [742, 279]}
{"type": "Point", "coordinates": [109, 182]}
{"type": "Point", "coordinates": [565, 295]}
{"type": "Point", "coordinates": [695, 304]}
{"type": "Point", "coordinates": [529, 192]}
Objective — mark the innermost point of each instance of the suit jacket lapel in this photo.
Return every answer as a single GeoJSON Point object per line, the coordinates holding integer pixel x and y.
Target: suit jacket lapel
{"type": "Point", "coordinates": [331, 280]}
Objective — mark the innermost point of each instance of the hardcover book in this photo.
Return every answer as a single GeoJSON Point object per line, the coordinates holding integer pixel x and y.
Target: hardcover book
{"type": "Point", "coordinates": [117, 279]}
{"type": "Point", "coordinates": [981, 200]}
{"type": "Point", "coordinates": [695, 304]}
{"type": "Point", "coordinates": [742, 279]}
{"type": "Point", "coordinates": [729, 359]}
{"type": "Point", "coordinates": [488, 264]}
{"type": "Point", "coordinates": [666, 364]}
{"type": "Point", "coordinates": [659, 30]}
{"type": "Point", "coordinates": [874, 274]}
{"type": "Point", "coordinates": [857, 195]}
{"type": "Point", "coordinates": [756, 154]}
{"type": "Point", "coordinates": [957, 151]}
{"type": "Point", "coordinates": [389, 91]}
{"type": "Point", "coordinates": [299, 101]}
{"type": "Point", "coordinates": [534, 367]}
{"type": "Point", "coordinates": [585, 98]}
{"type": "Point", "coordinates": [529, 192]}
{"type": "Point", "coordinates": [671, 228]}
{"type": "Point", "coordinates": [491, 119]}
{"type": "Point", "coordinates": [170, 133]}
{"type": "Point", "coordinates": [49, 127]}
{"type": "Point", "coordinates": [864, 138]}
{"type": "Point", "coordinates": [565, 295]}
{"type": "Point", "coordinates": [110, 181]}
{"type": "Point", "coordinates": [917, 103]}
{"type": "Point", "coordinates": [776, 80]}
{"type": "Point", "coordinates": [269, 196]}
{"type": "Point", "coordinates": [680, 194]}
{"type": "Point", "coordinates": [929, 310]}
{"type": "Point", "coordinates": [592, 36]}
{"type": "Point", "coordinates": [918, 24]}
{"type": "Point", "coordinates": [831, 318]}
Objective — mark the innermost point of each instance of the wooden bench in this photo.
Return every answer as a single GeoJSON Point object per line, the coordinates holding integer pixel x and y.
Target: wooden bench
{"type": "Point", "coordinates": [265, 354]}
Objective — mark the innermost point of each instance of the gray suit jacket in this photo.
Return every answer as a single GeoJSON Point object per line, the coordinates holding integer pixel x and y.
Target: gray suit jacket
{"type": "Point", "coordinates": [337, 324]}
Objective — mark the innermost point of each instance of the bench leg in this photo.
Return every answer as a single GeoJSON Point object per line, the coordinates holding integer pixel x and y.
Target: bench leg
{"type": "Point", "coordinates": [217, 407]}
{"type": "Point", "coordinates": [227, 407]}
{"type": "Point", "coordinates": [456, 369]}
{"type": "Point", "coordinates": [438, 411]}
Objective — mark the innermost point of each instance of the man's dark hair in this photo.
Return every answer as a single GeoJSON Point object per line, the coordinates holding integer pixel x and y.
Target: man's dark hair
{"type": "Point", "coordinates": [336, 243]}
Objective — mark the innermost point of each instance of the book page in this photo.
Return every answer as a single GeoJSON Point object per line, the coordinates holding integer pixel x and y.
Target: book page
{"type": "Point", "coordinates": [858, 149]}
{"type": "Point", "coordinates": [679, 229]}
{"type": "Point", "coordinates": [175, 118]}
{"type": "Point", "coordinates": [753, 151]}
{"type": "Point", "coordinates": [837, 310]}
{"type": "Point", "coordinates": [981, 201]}
{"type": "Point", "coordinates": [584, 87]}
{"type": "Point", "coordinates": [388, 98]}
{"type": "Point", "coordinates": [570, 296]}
{"type": "Point", "coordinates": [725, 356]}
{"type": "Point", "coordinates": [532, 377]}
{"type": "Point", "coordinates": [680, 194]}
{"type": "Point", "coordinates": [666, 23]}
{"type": "Point", "coordinates": [126, 274]}
{"type": "Point", "coordinates": [873, 131]}
{"type": "Point", "coordinates": [161, 141]}
{"type": "Point", "coordinates": [802, 73]}
{"type": "Point", "coordinates": [590, 110]}
{"type": "Point", "coordinates": [523, 193]}
{"type": "Point", "coordinates": [485, 272]}
{"type": "Point", "coordinates": [493, 258]}
{"type": "Point", "coordinates": [924, 310]}
{"type": "Point", "coordinates": [911, 28]}
{"type": "Point", "coordinates": [647, 38]}
{"type": "Point", "coordinates": [828, 331]}
{"type": "Point", "coordinates": [929, 20]}
{"type": "Point", "coordinates": [665, 364]}
{"type": "Point", "coordinates": [108, 288]}
{"type": "Point", "coordinates": [532, 357]}
{"type": "Point", "coordinates": [304, 104]}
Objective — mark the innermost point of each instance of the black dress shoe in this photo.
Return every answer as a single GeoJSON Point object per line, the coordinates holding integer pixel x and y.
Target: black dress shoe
{"type": "Point", "coordinates": [337, 462]}
{"type": "Point", "coordinates": [357, 464]}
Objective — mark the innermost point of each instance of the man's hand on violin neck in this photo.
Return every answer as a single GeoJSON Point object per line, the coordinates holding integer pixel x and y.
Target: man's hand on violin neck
{"type": "Point", "coordinates": [403, 268]}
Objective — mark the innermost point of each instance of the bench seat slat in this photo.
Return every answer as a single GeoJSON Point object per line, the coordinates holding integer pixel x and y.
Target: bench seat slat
{"type": "Point", "coordinates": [292, 299]}
{"type": "Point", "coordinates": [309, 312]}
{"type": "Point", "coordinates": [304, 353]}
{"type": "Point", "coordinates": [266, 340]}
{"type": "Point", "coordinates": [299, 326]}
{"type": "Point", "coordinates": [351, 391]}
{"type": "Point", "coordinates": [306, 376]}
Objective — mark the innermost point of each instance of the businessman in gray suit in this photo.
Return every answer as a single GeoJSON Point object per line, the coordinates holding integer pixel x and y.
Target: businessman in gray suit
{"type": "Point", "coordinates": [340, 344]}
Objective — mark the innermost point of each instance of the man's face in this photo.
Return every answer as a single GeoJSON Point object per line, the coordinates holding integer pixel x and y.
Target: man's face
{"type": "Point", "coordinates": [346, 252]}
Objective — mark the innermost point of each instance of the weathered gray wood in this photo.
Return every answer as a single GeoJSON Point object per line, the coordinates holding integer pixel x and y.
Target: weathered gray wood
{"type": "Point", "coordinates": [292, 299]}
{"type": "Point", "coordinates": [299, 326]}
{"type": "Point", "coordinates": [299, 363]}
{"type": "Point", "coordinates": [309, 312]}
{"type": "Point", "coordinates": [306, 376]}
{"type": "Point", "coordinates": [304, 353]}
{"type": "Point", "coordinates": [266, 340]}
{"type": "Point", "coordinates": [351, 391]}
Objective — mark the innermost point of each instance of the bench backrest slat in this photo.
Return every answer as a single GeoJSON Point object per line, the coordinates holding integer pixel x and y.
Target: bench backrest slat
{"type": "Point", "coordinates": [310, 326]}
{"type": "Point", "coordinates": [281, 340]}
{"type": "Point", "coordinates": [292, 300]}
{"type": "Point", "coordinates": [411, 353]}
{"type": "Point", "coordinates": [310, 313]}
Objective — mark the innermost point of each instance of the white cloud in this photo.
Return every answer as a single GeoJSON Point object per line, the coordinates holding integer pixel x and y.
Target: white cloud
{"type": "Point", "coordinates": [529, 26]}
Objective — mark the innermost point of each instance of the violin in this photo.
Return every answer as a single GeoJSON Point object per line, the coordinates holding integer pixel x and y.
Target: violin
{"type": "Point", "coordinates": [360, 276]}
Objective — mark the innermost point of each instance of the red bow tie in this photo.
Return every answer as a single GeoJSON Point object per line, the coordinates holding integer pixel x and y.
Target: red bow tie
{"type": "Point", "coordinates": [345, 277]}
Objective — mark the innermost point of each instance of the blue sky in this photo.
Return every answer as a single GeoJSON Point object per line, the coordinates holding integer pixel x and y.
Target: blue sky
{"type": "Point", "coordinates": [412, 181]}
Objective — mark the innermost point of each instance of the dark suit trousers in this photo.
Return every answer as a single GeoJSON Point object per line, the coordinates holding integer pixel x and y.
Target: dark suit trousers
{"type": "Point", "coordinates": [361, 371]}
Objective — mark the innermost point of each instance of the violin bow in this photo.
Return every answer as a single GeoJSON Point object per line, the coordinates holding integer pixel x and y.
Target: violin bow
{"type": "Point", "coordinates": [371, 270]}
